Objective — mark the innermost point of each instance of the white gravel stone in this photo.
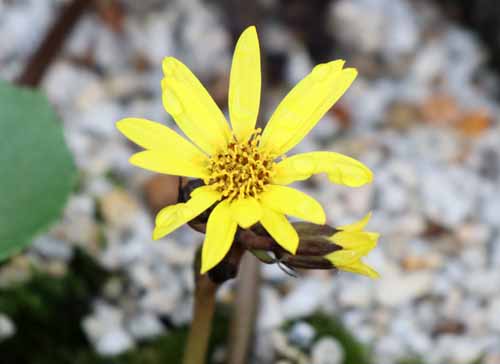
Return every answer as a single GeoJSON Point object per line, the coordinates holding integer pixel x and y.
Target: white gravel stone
{"type": "Point", "coordinates": [301, 334]}
{"type": "Point", "coordinates": [50, 247]}
{"type": "Point", "coordinates": [482, 283]}
{"type": "Point", "coordinates": [491, 206]}
{"type": "Point", "coordinates": [105, 330]}
{"type": "Point", "coordinates": [327, 351]}
{"type": "Point", "coordinates": [390, 348]}
{"type": "Point", "coordinates": [161, 301]}
{"type": "Point", "coordinates": [7, 327]}
{"type": "Point", "coordinates": [144, 326]}
{"type": "Point", "coordinates": [299, 65]}
{"type": "Point", "coordinates": [305, 298]}
{"type": "Point", "coordinates": [424, 174]}
{"type": "Point", "coordinates": [372, 26]}
{"type": "Point", "coordinates": [449, 196]}
{"type": "Point", "coordinates": [356, 293]}
{"type": "Point", "coordinates": [270, 314]}
{"type": "Point", "coordinates": [473, 234]}
{"type": "Point", "coordinates": [493, 314]}
{"type": "Point", "coordinates": [183, 313]}
{"type": "Point", "coordinates": [397, 289]}
{"type": "Point", "coordinates": [456, 350]}
{"type": "Point", "coordinates": [114, 342]}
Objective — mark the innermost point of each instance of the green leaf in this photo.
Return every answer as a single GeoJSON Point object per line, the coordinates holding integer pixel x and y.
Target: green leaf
{"type": "Point", "coordinates": [36, 169]}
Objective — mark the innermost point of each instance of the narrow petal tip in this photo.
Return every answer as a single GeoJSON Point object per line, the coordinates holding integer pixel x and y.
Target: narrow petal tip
{"type": "Point", "coordinates": [294, 245]}
{"type": "Point", "coordinates": [204, 267]}
{"type": "Point", "coordinates": [157, 234]}
{"type": "Point", "coordinates": [124, 124]}
{"type": "Point", "coordinates": [135, 159]}
{"type": "Point", "coordinates": [369, 176]}
{"type": "Point", "coordinates": [353, 72]}
{"type": "Point", "coordinates": [358, 225]}
{"type": "Point", "coordinates": [168, 66]}
{"type": "Point", "coordinates": [120, 124]}
{"type": "Point", "coordinates": [249, 30]}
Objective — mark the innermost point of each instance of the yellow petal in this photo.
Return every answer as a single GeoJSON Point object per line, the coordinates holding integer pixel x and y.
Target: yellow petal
{"type": "Point", "coordinates": [359, 240]}
{"type": "Point", "coordinates": [280, 229]}
{"type": "Point", "coordinates": [153, 135]}
{"type": "Point", "coordinates": [174, 216]}
{"type": "Point", "coordinates": [292, 202]}
{"type": "Point", "coordinates": [221, 228]}
{"type": "Point", "coordinates": [361, 268]}
{"type": "Point", "coordinates": [305, 105]}
{"type": "Point", "coordinates": [189, 160]}
{"type": "Point", "coordinates": [339, 168]}
{"type": "Point", "coordinates": [246, 211]}
{"type": "Point", "coordinates": [358, 225]}
{"type": "Point", "coordinates": [192, 108]}
{"type": "Point", "coordinates": [171, 163]}
{"type": "Point", "coordinates": [244, 84]}
{"type": "Point", "coordinates": [341, 258]}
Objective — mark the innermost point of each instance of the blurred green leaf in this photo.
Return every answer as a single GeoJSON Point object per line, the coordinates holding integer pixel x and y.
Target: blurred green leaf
{"type": "Point", "coordinates": [36, 169]}
{"type": "Point", "coordinates": [48, 311]}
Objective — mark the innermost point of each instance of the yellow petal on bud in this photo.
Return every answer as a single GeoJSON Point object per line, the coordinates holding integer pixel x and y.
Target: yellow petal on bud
{"type": "Point", "coordinates": [358, 240]}
{"type": "Point", "coordinates": [361, 268]}
{"type": "Point", "coordinates": [358, 225]}
{"type": "Point", "coordinates": [342, 258]}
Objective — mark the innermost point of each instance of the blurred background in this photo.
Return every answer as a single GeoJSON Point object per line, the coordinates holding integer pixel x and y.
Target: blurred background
{"type": "Point", "coordinates": [422, 114]}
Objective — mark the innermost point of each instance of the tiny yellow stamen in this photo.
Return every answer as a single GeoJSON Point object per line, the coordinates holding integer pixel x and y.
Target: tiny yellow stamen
{"type": "Point", "coordinates": [242, 170]}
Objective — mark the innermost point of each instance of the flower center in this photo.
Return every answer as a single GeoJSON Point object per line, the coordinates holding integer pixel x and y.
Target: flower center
{"type": "Point", "coordinates": [242, 170]}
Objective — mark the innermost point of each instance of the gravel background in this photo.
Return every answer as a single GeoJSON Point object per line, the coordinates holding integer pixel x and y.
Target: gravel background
{"type": "Point", "coordinates": [421, 114]}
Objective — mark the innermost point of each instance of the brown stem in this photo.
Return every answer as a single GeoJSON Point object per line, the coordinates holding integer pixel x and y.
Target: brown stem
{"type": "Point", "coordinates": [245, 310]}
{"type": "Point", "coordinates": [40, 61]}
{"type": "Point", "coordinates": [201, 326]}
{"type": "Point", "coordinates": [204, 301]}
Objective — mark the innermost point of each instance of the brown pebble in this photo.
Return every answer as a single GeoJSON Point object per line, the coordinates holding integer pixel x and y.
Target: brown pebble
{"type": "Point", "coordinates": [448, 327]}
{"type": "Point", "coordinates": [402, 115]}
{"type": "Point", "coordinates": [474, 123]}
{"type": "Point", "coordinates": [415, 263]}
{"type": "Point", "coordinates": [342, 115]}
{"type": "Point", "coordinates": [161, 190]}
{"type": "Point", "coordinates": [440, 109]}
{"type": "Point", "coordinates": [219, 90]}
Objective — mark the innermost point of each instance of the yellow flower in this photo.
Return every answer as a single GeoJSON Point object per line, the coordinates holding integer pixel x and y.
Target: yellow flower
{"type": "Point", "coordinates": [355, 244]}
{"type": "Point", "coordinates": [239, 166]}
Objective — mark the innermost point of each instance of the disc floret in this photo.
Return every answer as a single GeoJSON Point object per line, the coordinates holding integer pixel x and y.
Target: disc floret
{"type": "Point", "coordinates": [242, 169]}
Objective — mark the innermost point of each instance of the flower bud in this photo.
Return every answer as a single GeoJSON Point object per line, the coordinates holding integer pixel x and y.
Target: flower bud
{"type": "Point", "coordinates": [355, 243]}
{"type": "Point", "coordinates": [320, 247]}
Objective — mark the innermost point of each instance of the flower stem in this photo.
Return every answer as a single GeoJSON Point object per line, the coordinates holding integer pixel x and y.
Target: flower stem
{"type": "Point", "coordinates": [245, 311]}
{"type": "Point", "coordinates": [201, 327]}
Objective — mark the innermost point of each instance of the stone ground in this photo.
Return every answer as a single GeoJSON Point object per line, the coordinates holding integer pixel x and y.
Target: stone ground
{"type": "Point", "coordinates": [420, 114]}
